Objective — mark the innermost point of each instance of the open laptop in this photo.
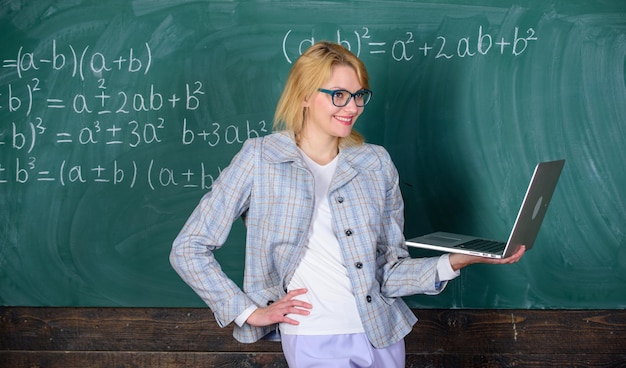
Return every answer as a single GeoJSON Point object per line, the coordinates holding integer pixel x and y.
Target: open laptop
{"type": "Point", "coordinates": [525, 229]}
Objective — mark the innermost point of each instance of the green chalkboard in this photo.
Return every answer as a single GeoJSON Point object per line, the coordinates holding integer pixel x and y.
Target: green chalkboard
{"type": "Point", "coordinates": [116, 117]}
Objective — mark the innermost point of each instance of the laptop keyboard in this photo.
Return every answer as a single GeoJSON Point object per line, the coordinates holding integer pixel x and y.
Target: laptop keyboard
{"type": "Point", "coordinates": [487, 246]}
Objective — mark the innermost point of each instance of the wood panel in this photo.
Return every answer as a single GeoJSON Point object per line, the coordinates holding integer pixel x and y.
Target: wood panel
{"type": "Point", "coordinates": [189, 337]}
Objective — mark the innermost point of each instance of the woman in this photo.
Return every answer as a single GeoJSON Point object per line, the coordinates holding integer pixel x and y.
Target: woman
{"type": "Point", "coordinates": [325, 253]}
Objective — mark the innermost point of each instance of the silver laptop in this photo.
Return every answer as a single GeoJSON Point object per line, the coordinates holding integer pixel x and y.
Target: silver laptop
{"type": "Point", "coordinates": [524, 231]}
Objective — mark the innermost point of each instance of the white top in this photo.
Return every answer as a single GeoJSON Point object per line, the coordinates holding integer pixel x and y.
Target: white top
{"type": "Point", "coordinates": [322, 271]}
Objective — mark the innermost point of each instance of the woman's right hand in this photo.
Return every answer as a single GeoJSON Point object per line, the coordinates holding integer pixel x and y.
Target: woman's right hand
{"type": "Point", "coordinates": [277, 312]}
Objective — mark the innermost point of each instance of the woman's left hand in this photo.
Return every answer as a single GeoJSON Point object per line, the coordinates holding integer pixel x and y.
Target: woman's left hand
{"type": "Point", "coordinates": [459, 261]}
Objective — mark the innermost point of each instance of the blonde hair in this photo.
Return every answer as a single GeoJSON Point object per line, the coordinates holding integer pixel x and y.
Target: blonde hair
{"type": "Point", "coordinates": [309, 72]}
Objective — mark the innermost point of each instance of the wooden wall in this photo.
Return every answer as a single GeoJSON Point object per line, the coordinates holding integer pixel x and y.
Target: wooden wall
{"type": "Point", "coordinates": [189, 337]}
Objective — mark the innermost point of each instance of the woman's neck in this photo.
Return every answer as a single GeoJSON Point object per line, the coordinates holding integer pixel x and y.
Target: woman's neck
{"type": "Point", "coordinates": [322, 151]}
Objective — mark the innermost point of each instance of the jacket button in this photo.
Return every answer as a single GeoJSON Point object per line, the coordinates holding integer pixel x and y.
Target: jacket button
{"type": "Point", "coordinates": [369, 299]}
{"type": "Point", "coordinates": [358, 265]}
{"type": "Point", "coordinates": [348, 232]}
{"type": "Point", "coordinates": [340, 199]}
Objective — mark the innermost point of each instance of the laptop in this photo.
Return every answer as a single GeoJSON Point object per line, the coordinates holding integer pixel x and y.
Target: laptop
{"type": "Point", "coordinates": [525, 229]}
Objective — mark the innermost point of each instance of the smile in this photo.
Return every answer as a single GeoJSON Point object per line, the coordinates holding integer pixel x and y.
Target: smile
{"type": "Point", "coordinates": [345, 120]}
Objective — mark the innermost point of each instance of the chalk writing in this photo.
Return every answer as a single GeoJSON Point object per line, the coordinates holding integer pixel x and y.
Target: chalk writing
{"type": "Point", "coordinates": [229, 134]}
{"type": "Point", "coordinates": [79, 61]}
{"type": "Point", "coordinates": [108, 116]}
{"type": "Point", "coordinates": [104, 101]}
{"type": "Point", "coordinates": [408, 46]}
{"type": "Point", "coordinates": [102, 117]}
{"type": "Point", "coordinates": [155, 174]}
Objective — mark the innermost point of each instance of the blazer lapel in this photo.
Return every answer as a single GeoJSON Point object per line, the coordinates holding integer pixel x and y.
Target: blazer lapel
{"type": "Point", "coordinates": [352, 161]}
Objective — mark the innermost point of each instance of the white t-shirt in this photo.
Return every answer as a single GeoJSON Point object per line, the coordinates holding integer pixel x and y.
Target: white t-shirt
{"type": "Point", "coordinates": [322, 271]}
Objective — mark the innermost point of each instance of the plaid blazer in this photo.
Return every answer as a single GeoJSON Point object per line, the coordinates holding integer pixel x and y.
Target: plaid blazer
{"type": "Point", "coordinates": [267, 183]}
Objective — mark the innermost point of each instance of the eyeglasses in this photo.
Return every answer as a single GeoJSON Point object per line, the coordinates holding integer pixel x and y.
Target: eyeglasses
{"type": "Point", "coordinates": [341, 97]}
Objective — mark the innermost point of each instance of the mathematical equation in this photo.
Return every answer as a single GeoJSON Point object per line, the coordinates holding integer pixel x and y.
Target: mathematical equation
{"type": "Point", "coordinates": [102, 102]}
{"type": "Point", "coordinates": [79, 61]}
{"type": "Point", "coordinates": [156, 175]}
{"type": "Point", "coordinates": [408, 47]}
{"type": "Point", "coordinates": [29, 168]}
{"type": "Point", "coordinates": [97, 117]}
{"type": "Point", "coordinates": [23, 138]}
{"type": "Point", "coordinates": [25, 135]}
{"type": "Point", "coordinates": [101, 120]}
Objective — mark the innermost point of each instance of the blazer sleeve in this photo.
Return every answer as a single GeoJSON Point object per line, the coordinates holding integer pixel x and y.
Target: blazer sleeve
{"type": "Point", "coordinates": [207, 230]}
{"type": "Point", "coordinates": [399, 274]}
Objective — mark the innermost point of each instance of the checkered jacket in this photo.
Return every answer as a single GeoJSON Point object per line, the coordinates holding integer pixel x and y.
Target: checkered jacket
{"type": "Point", "coordinates": [269, 186]}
